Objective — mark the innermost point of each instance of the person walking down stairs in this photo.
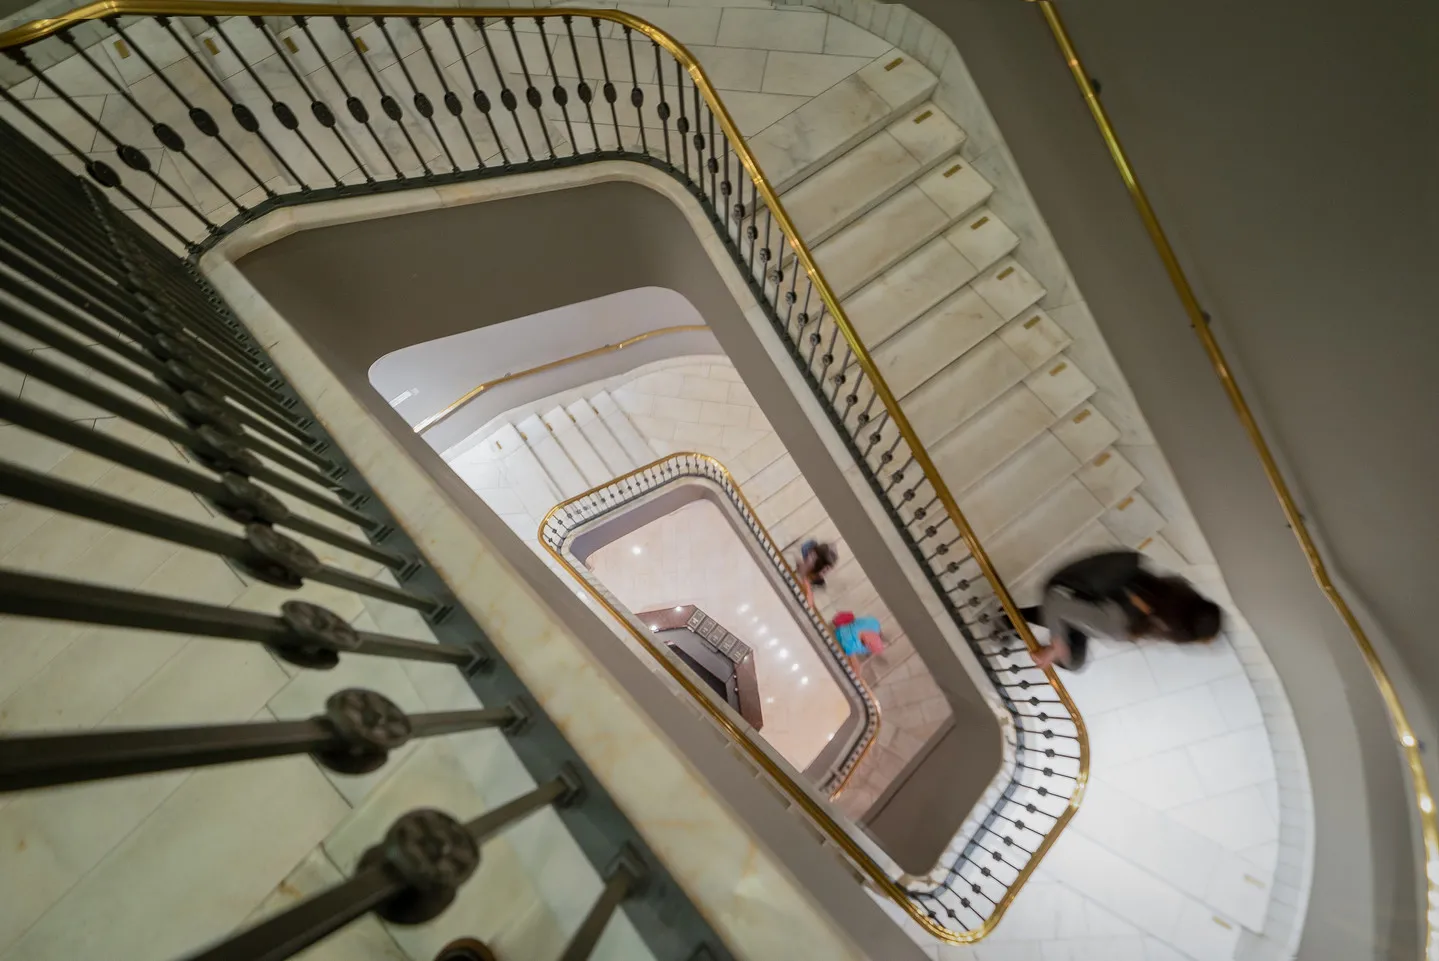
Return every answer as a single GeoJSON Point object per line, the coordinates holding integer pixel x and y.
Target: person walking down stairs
{"type": "Point", "coordinates": [1112, 595]}
{"type": "Point", "coordinates": [815, 560]}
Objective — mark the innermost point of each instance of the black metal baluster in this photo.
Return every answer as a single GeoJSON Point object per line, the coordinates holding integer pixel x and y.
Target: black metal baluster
{"type": "Point", "coordinates": [637, 96]}
{"type": "Point", "coordinates": [160, 350]}
{"type": "Point", "coordinates": [715, 200]}
{"type": "Point", "coordinates": [233, 495]}
{"type": "Point", "coordinates": [451, 100]}
{"type": "Point", "coordinates": [682, 126]}
{"type": "Point", "coordinates": [262, 552]}
{"type": "Point", "coordinates": [218, 450]}
{"type": "Point", "coordinates": [180, 381]}
{"type": "Point", "coordinates": [354, 736]}
{"type": "Point", "coordinates": [388, 104]}
{"type": "Point", "coordinates": [101, 172]}
{"type": "Point", "coordinates": [131, 156]}
{"type": "Point", "coordinates": [611, 95]}
{"type": "Point", "coordinates": [279, 108]}
{"type": "Point", "coordinates": [167, 136]}
{"type": "Point", "coordinates": [422, 103]}
{"type": "Point", "coordinates": [532, 93]}
{"type": "Point", "coordinates": [479, 97]}
{"type": "Point", "coordinates": [320, 110]}
{"type": "Point", "coordinates": [626, 878]}
{"type": "Point", "coordinates": [559, 93]}
{"type": "Point", "coordinates": [200, 117]}
{"type": "Point", "coordinates": [242, 114]}
{"type": "Point", "coordinates": [507, 96]}
{"type": "Point", "coordinates": [586, 94]}
{"type": "Point", "coordinates": [662, 109]}
{"type": "Point", "coordinates": [353, 104]}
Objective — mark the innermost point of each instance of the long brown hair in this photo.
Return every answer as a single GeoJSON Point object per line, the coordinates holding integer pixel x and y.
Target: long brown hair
{"type": "Point", "coordinates": [1177, 612]}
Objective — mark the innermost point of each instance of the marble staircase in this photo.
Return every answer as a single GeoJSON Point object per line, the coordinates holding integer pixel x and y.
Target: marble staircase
{"type": "Point", "coordinates": [897, 220]}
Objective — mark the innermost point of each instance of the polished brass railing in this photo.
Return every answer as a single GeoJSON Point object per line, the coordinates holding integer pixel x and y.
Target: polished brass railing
{"type": "Point", "coordinates": [454, 406]}
{"type": "Point", "coordinates": [1408, 743]}
{"type": "Point", "coordinates": [581, 512]}
{"type": "Point", "coordinates": [1048, 770]}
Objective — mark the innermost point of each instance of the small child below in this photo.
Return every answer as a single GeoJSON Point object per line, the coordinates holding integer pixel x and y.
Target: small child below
{"type": "Point", "coordinates": [857, 636]}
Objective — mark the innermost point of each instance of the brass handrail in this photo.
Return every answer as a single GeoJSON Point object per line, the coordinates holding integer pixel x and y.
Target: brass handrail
{"type": "Point", "coordinates": [861, 357]}
{"type": "Point", "coordinates": [1398, 717]}
{"type": "Point", "coordinates": [471, 394]}
{"type": "Point", "coordinates": [683, 677]}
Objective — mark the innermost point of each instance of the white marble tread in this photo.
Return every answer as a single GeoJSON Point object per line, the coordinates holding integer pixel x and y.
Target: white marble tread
{"type": "Point", "coordinates": [869, 174]}
{"type": "Point", "coordinates": [879, 239]}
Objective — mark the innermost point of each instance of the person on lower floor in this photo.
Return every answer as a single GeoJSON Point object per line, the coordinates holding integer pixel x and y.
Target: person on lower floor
{"type": "Point", "coordinates": [815, 560]}
{"type": "Point", "coordinates": [1112, 595]}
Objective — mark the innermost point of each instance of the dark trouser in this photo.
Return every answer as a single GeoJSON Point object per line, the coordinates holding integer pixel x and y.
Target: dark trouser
{"type": "Point", "coordinates": [1078, 640]}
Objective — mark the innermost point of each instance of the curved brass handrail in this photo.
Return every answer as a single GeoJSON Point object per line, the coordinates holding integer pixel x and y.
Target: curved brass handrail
{"type": "Point", "coordinates": [769, 199]}
{"type": "Point", "coordinates": [685, 679]}
{"type": "Point", "coordinates": [1399, 719]}
{"type": "Point", "coordinates": [471, 394]}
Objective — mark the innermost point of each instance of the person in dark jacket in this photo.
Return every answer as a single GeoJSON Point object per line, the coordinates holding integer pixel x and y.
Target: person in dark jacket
{"type": "Point", "coordinates": [1112, 595]}
{"type": "Point", "coordinates": [815, 560]}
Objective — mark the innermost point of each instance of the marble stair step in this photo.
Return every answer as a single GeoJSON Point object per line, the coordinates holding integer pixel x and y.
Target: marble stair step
{"type": "Point", "coordinates": [871, 173]}
{"type": "Point", "coordinates": [907, 290]}
{"type": "Point", "coordinates": [577, 447]}
{"type": "Point", "coordinates": [801, 143]}
{"type": "Point", "coordinates": [563, 473]}
{"type": "Point", "coordinates": [1020, 482]}
{"type": "Point", "coordinates": [1092, 538]}
{"type": "Point", "coordinates": [880, 239]}
{"type": "Point", "coordinates": [1025, 543]}
{"type": "Point", "coordinates": [1109, 477]}
{"type": "Point", "coordinates": [962, 389]}
{"type": "Point", "coordinates": [624, 432]}
{"type": "Point", "coordinates": [598, 434]}
{"type": "Point", "coordinates": [981, 444]}
{"type": "Point", "coordinates": [934, 341]}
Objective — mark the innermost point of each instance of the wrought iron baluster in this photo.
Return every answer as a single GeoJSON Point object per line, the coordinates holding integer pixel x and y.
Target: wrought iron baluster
{"type": "Point", "coordinates": [355, 735]}
{"type": "Point", "coordinates": [532, 93]}
{"type": "Point", "coordinates": [611, 95]}
{"type": "Point", "coordinates": [451, 100]}
{"type": "Point", "coordinates": [282, 111]}
{"type": "Point", "coordinates": [558, 92]}
{"type": "Point", "coordinates": [320, 110]}
{"type": "Point", "coordinates": [586, 94]}
{"type": "Point", "coordinates": [388, 104]}
{"type": "Point", "coordinates": [637, 96]}
{"type": "Point", "coordinates": [200, 117]}
{"type": "Point", "coordinates": [353, 104]}
{"type": "Point", "coordinates": [422, 103]}
{"type": "Point", "coordinates": [480, 99]}
{"type": "Point", "coordinates": [662, 109]}
{"type": "Point", "coordinates": [507, 96]}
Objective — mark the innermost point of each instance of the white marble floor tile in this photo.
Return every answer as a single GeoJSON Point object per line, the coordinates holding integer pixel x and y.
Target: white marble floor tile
{"type": "Point", "coordinates": [732, 68]}
{"type": "Point", "coordinates": [799, 31]}
{"type": "Point", "coordinates": [845, 39]}
{"type": "Point", "coordinates": [807, 74]}
{"type": "Point", "coordinates": [175, 881]}
{"type": "Point", "coordinates": [754, 112]}
{"type": "Point", "coordinates": [1162, 781]}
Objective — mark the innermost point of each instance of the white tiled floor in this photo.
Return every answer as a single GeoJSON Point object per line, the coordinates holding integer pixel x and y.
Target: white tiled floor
{"type": "Point", "coordinates": [694, 556]}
